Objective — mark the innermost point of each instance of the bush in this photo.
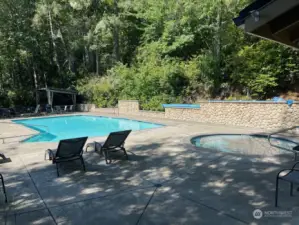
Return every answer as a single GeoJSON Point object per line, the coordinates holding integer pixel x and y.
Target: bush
{"type": "Point", "coordinates": [101, 91]}
{"type": "Point", "coordinates": [155, 103]}
{"type": "Point", "coordinates": [153, 81]}
{"type": "Point", "coordinates": [238, 97]}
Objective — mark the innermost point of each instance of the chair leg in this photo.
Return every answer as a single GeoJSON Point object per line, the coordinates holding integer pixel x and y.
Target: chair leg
{"type": "Point", "coordinates": [125, 152]}
{"type": "Point", "coordinates": [291, 189]}
{"type": "Point", "coordinates": [3, 186]}
{"type": "Point", "coordinates": [107, 157]}
{"type": "Point", "coordinates": [50, 153]}
{"type": "Point", "coordinates": [57, 169]}
{"type": "Point", "coordinates": [276, 192]}
{"type": "Point", "coordinates": [46, 153]}
{"type": "Point", "coordinates": [83, 164]}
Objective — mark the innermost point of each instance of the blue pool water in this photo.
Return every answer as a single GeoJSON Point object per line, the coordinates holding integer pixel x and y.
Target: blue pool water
{"type": "Point", "coordinates": [53, 129]}
{"type": "Point", "coordinates": [257, 143]}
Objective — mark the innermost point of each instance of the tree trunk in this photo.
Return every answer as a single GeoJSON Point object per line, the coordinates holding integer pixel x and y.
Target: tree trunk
{"type": "Point", "coordinates": [217, 50]}
{"type": "Point", "coordinates": [55, 55]}
{"type": "Point", "coordinates": [45, 80]}
{"type": "Point", "coordinates": [116, 35]}
{"type": "Point", "coordinates": [86, 57]}
{"type": "Point", "coordinates": [97, 63]}
{"type": "Point", "coordinates": [116, 44]}
{"type": "Point", "coordinates": [67, 53]}
{"type": "Point", "coordinates": [218, 36]}
{"type": "Point", "coordinates": [35, 78]}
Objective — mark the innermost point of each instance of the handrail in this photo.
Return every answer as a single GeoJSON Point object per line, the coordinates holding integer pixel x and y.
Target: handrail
{"type": "Point", "coordinates": [39, 125]}
{"type": "Point", "coordinates": [280, 131]}
{"type": "Point", "coordinates": [3, 138]}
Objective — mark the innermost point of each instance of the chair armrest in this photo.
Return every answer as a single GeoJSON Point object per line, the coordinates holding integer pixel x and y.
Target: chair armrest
{"type": "Point", "coordinates": [2, 156]}
{"type": "Point", "coordinates": [295, 165]}
{"type": "Point", "coordinates": [290, 170]}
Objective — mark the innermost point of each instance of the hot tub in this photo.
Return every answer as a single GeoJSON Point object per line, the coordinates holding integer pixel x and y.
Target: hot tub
{"type": "Point", "coordinates": [257, 144]}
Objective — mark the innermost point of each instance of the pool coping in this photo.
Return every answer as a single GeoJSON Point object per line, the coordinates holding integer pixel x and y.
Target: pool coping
{"type": "Point", "coordinates": [39, 131]}
{"type": "Point", "coordinates": [20, 131]}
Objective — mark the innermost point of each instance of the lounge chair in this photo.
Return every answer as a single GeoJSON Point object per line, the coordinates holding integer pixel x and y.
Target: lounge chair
{"type": "Point", "coordinates": [5, 113]}
{"type": "Point", "coordinates": [114, 142]}
{"type": "Point", "coordinates": [65, 109]}
{"type": "Point", "coordinates": [3, 187]}
{"type": "Point", "coordinates": [57, 109]}
{"type": "Point", "coordinates": [71, 108]}
{"type": "Point", "coordinates": [291, 176]}
{"type": "Point", "coordinates": [68, 150]}
{"type": "Point", "coordinates": [49, 109]}
{"type": "Point", "coordinates": [36, 112]}
{"type": "Point", "coordinates": [37, 108]}
{"type": "Point", "coordinates": [2, 156]}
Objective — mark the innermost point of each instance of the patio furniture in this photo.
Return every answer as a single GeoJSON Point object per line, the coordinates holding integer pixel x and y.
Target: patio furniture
{"type": "Point", "coordinates": [2, 156]}
{"type": "Point", "coordinates": [291, 176]}
{"type": "Point", "coordinates": [296, 149]}
{"type": "Point", "coordinates": [114, 142]}
{"type": "Point", "coordinates": [50, 92]}
{"type": "Point", "coordinates": [36, 112]}
{"type": "Point", "coordinates": [71, 108]}
{"type": "Point", "coordinates": [68, 150]}
{"type": "Point", "coordinates": [4, 113]}
{"type": "Point", "coordinates": [57, 109]}
{"type": "Point", "coordinates": [3, 187]}
{"type": "Point", "coordinates": [49, 109]}
{"type": "Point", "coordinates": [12, 112]}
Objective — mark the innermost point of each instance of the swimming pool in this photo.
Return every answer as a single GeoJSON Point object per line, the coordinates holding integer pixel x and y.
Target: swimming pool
{"type": "Point", "coordinates": [257, 144]}
{"type": "Point", "coordinates": [53, 129]}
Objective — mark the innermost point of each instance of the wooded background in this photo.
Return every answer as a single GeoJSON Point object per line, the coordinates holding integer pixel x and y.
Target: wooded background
{"type": "Point", "coordinates": [156, 51]}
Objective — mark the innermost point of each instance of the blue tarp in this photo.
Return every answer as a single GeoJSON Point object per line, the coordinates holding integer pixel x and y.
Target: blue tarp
{"type": "Point", "coordinates": [290, 102]}
{"type": "Point", "coordinates": [278, 99]}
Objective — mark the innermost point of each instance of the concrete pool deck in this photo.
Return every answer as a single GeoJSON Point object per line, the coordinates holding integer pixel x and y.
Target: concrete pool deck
{"type": "Point", "coordinates": [165, 181]}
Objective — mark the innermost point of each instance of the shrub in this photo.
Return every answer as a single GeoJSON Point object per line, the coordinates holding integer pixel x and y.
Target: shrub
{"type": "Point", "coordinates": [101, 91]}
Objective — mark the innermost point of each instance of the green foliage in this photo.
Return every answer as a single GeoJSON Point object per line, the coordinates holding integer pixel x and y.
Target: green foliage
{"type": "Point", "coordinates": [101, 91]}
{"type": "Point", "coordinates": [261, 67]}
{"type": "Point", "coordinates": [238, 97]}
{"type": "Point", "coordinates": [154, 51]}
{"type": "Point", "coordinates": [155, 103]}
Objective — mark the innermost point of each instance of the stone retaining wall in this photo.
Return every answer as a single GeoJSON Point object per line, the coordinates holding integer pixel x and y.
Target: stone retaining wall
{"type": "Point", "coordinates": [85, 107]}
{"type": "Point", "coordinates": [259, 115]}
{"type": "Point", "coordinates": [265, 115]}
{"type": "Point", "coordinates": [128, 106]}
{"type": "Point", "coordinates": [106, 110]}
{"type": "Point", "coordinates": [154, 114]}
